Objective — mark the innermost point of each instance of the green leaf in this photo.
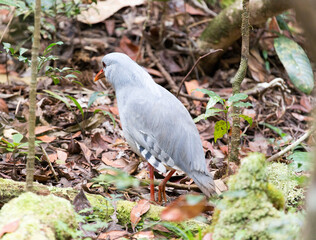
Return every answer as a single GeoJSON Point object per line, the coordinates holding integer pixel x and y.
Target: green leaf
{"type": "Point", "coordinates": [285, 137]}
{"type": "Point", "coordinates": [237, 97]}
{"type": "Point", "coordinates": [242, 104]}
{"type": "Point", "coordinates": [14, 3]}
{"type": "Point", "coordinates": [55, 95]}
{"type": "Point", "coordinates": [71, 76]}
{"type": "Point", "coordinates": [221, 128]}
{"type": "Point", "coordinates": [92, 98]}
{"type": "Point", "coordinates": [247, 118]}
{"type": "Point", "coordinates": [214, 97]}
{"type": "Point", "coordinates": [209, 113]}
{"type": "Point", "coordinates": [302, 161]}
{"type": "Point", "coordinates": [77, 105]}
{"type": "Point", "coordinates": [49, 47]}
{"type": "Point", "coordinates": [22, 51]}
{"type": "Point", "coordinates": [296, 63]}
{"type": "Point", "coordinates": [17, 137]}
{"type": "Point", "coordinates": [77, 82]}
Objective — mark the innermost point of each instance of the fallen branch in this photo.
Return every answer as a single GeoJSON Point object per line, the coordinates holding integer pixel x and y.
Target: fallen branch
{"type": "Point", "coordinates": [293, 145]}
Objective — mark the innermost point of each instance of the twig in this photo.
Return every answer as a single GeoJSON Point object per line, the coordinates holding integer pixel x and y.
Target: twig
{"type": "Point", "coordinates": [174, 185]}
{"type": "Point", "coordinates": [197, 61]}
{"type": "Point", "coordinates": [164, 72]}
{"type": "Point", "coordinates": [193, 97]}
{"type": "Point", "coordinates": [50, 164]}
{"type": "Point", "coordinates": [9, 23]}
{"type": "Point", "coordinates": [290, 147]}
{"type": "Point", "coordinates": [161, 68]}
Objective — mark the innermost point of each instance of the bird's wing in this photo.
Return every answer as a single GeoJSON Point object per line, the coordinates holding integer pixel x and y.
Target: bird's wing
{"type": "Point", "coordinates": [162, 131]}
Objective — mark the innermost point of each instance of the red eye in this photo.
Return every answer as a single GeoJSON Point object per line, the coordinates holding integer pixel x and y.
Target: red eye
{"type": "Point", "coordinates": [103, 64]}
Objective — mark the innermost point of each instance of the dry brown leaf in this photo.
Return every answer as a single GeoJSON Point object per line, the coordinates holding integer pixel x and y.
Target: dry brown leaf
{"type": "Point", "coordinates": [42, 129]}
{"type": "Point", "coordinates": [129, 47]}
{"type": "Point", "coordinates": [180, 210]}
{"type": "Point", "coordinates": [114, 110]}
{"type": "Point", "coordinates": [144, 235]}
{"type": "Point", "coordinates": [113, 235]}
{"type": "Point", "coordinates": [273, 25]}
{"type": "Point", "coordinates": [120, 163]}
{"type": "Point", "coordinates": [302, 117]}
{"type": "Point", "coordinates": [86, 151]}
{"type": "Point", "coordinates": [10, 227]}
{"type": "Point", "coordinates": [46, 138]}
{"type": "Point", "coordinates": [190, 86]}
{"type": "Point", "coordinates": [208, 236]}
{"type": "Point", "coordinates": [62, 155]}
{"type": "Point", "coordinates": [3, 106]}
{"type": "Point", "coordinates": [105, 9]}
{"type": "Point", "coordinates": [52, 157]}
{"type": "Point", "coordinates": [110, 26]}
{"type": "Point", "coordinates": [194, 11]}
{"type": "Point", "coordinates": [305, 102]}
{"type": "Point", "coordinates": [260, 144]}
{"type": "Point", "coordinates": [138, 210]}
{"type": "Point", "coordinates": [207, 145]}
{"type": "Point", "coordinates": [98, 142]}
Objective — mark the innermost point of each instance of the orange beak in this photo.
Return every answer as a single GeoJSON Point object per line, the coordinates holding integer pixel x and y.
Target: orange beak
{"type": "Point", "coordinates": [99, 75]}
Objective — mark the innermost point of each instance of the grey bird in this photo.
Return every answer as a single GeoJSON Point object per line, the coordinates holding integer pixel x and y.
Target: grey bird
{"type": "Point", "coordinates": [155, 123]}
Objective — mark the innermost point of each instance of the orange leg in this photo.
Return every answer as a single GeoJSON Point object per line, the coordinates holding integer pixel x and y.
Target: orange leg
{"type": "Point", "coordinates": [152, 185]}
{"type": "Point", "coordinates": [162, 187]}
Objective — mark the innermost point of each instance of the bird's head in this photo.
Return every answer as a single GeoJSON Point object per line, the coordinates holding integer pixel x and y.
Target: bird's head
{"type": "Point", "coordinates": [120, 70]}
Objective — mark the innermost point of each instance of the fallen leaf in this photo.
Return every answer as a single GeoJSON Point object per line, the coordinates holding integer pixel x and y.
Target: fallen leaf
{"type": "Point", "coordinates": [86, 151]}
{"type": "Point", "coordinates": [113, 235]}
{"type": "Point", "coordinates": [208, 236]}
{"type": "Point", "coordinates": [138, 210]}
{"type": "Point", "coordinates": [46, 138]}
{"type": "Point", "coordinates": [10, 227]}
{"type": "Point", "coordinates": [114, 110]}
{"type": "Point", "coordinates": [42, 129]}
{"type": "Point", "coordinates": [190, 86]}
{"type": "Point", "coordinates": [144, 235]}
{"type": "Point", "coordinates": [129, 47]}
{"type": "Point", "coordinates": [302, 117]}
{"type": "Point", "coordinates": [52, 157]}
{"type": "Point", "coordinates": [110, 26]}
{"type": "Point", "coordinates": [3, 106]}
{"type": "Point", "coordinates": [105, 9]}
{"type": "Point", "coordinates": [98, 142]}
{"type": "Point", "coordinates": [184, 208]}
{"type": "Point", "coordinates": [194, 11]}
{"type": "Point", "coordinates": [62, 155]}
{"type": "Point", "coordinates": [260, 144]}
{"type": "Point", "coordinates": [305, 102]}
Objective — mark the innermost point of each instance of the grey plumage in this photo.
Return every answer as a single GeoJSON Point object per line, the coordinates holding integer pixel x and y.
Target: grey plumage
{"type": "Point", "coordinates": [155, 123]}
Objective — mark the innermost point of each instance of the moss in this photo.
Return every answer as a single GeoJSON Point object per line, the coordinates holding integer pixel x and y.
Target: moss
{"type": "Point", "coordinates": [282, 176]}
{"type": "Point", "coordinates": [38, 216]}
{"type": "Point", "coordinates": [275, 196]}
{"type": "Point", "coordinates": [246, 209]}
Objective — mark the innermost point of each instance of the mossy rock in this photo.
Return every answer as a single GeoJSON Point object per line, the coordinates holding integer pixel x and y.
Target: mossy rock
{"type": "Point", "coordinates": [39, 217]}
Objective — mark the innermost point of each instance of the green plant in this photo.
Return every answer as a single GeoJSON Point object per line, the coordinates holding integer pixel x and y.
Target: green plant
{"type": "Point", "coordinates": [119, 178]}
{"type": "Point", "coordinates": [16, 145]}
{"type": "Point", "coordinates": [222, 126]}
{"type": "Point", "coordinates": [53, 72]}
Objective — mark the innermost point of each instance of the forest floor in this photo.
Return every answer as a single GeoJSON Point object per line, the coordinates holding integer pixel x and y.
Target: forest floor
{"type": "Point", "coordinates": [76, 144]}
